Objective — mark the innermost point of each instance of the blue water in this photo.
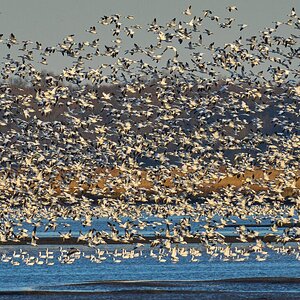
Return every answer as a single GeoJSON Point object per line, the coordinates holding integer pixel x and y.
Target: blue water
{"type": "Point", "coordinates": [183, 279]}
{"type": "Point", "coordinates": [145, 277]}
{"type": "Point", "coordinates": [64, 225]}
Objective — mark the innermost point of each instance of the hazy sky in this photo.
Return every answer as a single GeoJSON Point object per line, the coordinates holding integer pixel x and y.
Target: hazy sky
{"type": "Point", "coordinates": [50, 21]}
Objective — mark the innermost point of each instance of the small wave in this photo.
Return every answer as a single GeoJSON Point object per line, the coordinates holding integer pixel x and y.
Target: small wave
{"type": "Point", "coordinates": [227, 288]}
{"type": "Point", "coordinates": [170, 283]}
{"type": "Point", "coordinates": [260, 280]}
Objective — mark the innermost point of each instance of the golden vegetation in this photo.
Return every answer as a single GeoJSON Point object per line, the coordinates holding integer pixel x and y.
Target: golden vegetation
{"type": "Point", "coordinates": [257, 180]}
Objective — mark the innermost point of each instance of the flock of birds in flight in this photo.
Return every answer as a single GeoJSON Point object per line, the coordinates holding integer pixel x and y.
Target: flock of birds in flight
{"type": "Point", "coordinates": [138, 139]}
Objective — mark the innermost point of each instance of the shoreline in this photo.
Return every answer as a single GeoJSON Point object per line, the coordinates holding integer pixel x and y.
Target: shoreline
{"type": "Point", "coordinates": [144, 240]}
